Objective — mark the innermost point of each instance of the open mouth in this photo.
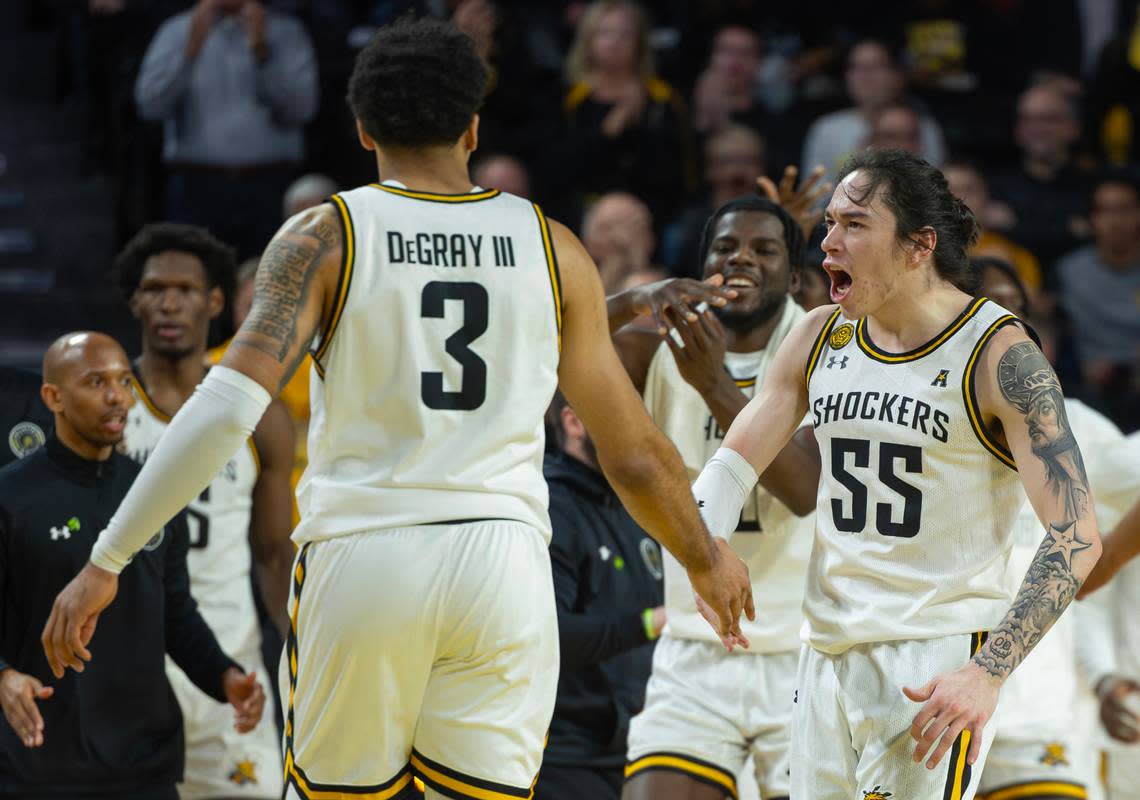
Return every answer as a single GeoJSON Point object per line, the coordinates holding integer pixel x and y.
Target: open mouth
{"type": "Point", "coordinates": [840, 282]}
{"type": "Point", "coordinates": [114, 423]}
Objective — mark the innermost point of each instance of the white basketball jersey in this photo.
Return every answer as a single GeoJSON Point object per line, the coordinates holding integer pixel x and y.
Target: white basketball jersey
{"type": "Point", "coordinates": [916, 501]}
{"type": "Point", "coordinates": [219, 558]}
{"type": "Point", "coordinates": [771, 540]}
{"type": "Point", "coordinates": [440, 360]}
{"type": "Point", "coordinates": [1050, 670]}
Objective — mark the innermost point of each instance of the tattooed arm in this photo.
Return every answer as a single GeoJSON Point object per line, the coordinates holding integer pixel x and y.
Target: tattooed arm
{"type": "Point", "coordinates": [292, 299]}
{"type": "Point", "coordinates": [1020, 399]}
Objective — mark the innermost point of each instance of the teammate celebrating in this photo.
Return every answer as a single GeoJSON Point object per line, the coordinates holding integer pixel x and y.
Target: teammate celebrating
{"type": "Point", "coordinates": [424, 635]}
{"type": "Point", "coordinates": [927, 405]}
{"type": "Point", "coordinates": [173, 278]}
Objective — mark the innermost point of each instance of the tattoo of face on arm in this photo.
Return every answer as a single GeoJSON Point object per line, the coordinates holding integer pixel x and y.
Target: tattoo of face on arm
{"type": "Point", "coordinates": [1028, 383]}
{"type": "Point", "coordinates": [286, 271]}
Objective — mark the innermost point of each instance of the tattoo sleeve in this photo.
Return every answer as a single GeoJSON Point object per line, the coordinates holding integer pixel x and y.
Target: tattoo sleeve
{"type": "Point", "coordinates": [1028, 384]}
{"type": "Point", "coordinates": [281, 289]}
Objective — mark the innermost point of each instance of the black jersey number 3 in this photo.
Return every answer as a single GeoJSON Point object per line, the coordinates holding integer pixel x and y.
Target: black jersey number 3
{"type": "Point", "coordinates": [890, 455]}
{"type": "Point", "coordinates": [473, 384]}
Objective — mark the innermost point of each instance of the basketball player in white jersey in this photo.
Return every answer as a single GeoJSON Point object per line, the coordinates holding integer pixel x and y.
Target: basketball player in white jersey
{"type": "Point", "coordinates": [424, 637]}
{"type": "Point", "coordinates": [1039, 750]}
{"type": "Point", "coordinates": [692, 738]}
{"type": "Point", "coordinates": [932, 410]}
{"type": "Point", "coordinates": [173, 277]}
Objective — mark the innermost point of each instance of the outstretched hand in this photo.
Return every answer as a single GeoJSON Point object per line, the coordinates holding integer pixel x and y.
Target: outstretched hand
{"type": "Point", "coordinates": [18, 696]}
{"type": "Point", "coordinates": [73, 616]}
{"type": "Point", "coordinates": [962, 700]}
{"type": "Point", "coordinates": [723, 591]}
{"type": "Point", "coordinates": [801, 203]}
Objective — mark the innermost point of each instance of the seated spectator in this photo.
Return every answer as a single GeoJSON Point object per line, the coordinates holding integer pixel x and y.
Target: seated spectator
{"type": "Point", "coordinates": [502, 172]}
{"type": "Point", "coordinates": [306, 192]}
{"type": "Point", "coordinates": [626, 129]}
{"type": "Point", "coordinates": [1100, 290]}
{"type": "Point", "coordinates": [968, 184]}
{"type": "Point", "coordinates": [725, 91]}
{"type": "Point", "coordinates": [233, 84]}
{"type": "Point", "coordinates": [618, 234]}
{"type": "Point", "coordinates": [873, 79]}
{"type": "Point", "coordinates": [1045, 193]}
{"type": "Point", "coordinates": [609, 593]}
{"type": "Point", "coordinates": [895, 125]}
{"type": "Point", "coordinates": [734, 159]}
{"type": "Point", "coordinates": [113, 730]}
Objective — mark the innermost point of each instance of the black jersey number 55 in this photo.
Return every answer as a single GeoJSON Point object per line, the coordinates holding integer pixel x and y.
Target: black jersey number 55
{"type": "Point", "coordinates": [473, 384]}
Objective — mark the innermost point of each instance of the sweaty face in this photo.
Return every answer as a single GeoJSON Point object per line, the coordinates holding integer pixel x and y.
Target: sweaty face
{"type": "Point", "coordinates": [748, 249]}
{"type": "Point", "coordinates": [862, 257]}
{"type": "Point", "coordinates": [175, 304]}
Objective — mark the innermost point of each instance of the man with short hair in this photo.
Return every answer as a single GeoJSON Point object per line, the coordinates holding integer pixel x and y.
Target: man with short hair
{"type": "Point", "coordinates": [114, 731]}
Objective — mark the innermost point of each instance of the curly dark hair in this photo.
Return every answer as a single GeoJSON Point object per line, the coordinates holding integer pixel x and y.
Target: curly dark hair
{"type": "Point", "coordinates": [793, 235]}
{"type": "Point", "coordinates": [918, 196]}
{"type": "Point", "coordinates": [218, 260]}
{"type": "Point", "coordinates": [418, 83]}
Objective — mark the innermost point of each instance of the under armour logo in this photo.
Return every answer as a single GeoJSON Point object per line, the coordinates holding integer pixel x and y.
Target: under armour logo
{"type": "Point", "coordinates": [604, 552]}
{"type": "Point", "coordinates": [833, 360]}
{"type": "Point", "coordinates": [62, 532]}
{"type": "Point", "coordinates": [940, 380]}
{"type": "Point", "coordinates": [700, 504]}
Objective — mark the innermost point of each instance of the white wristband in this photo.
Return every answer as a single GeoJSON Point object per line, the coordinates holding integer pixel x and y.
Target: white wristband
{"type": "Point", "coordinates": [721, 490]}
{"type": "Point", "coordinates": [213, 425]}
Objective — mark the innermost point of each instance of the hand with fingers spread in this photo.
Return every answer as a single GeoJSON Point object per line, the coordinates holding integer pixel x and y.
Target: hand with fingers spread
{"type": "Point", "coordinates": [680, 295]}
{"type": "Point", "coordinates": [962, 700]}
{"type": "Point", "coordinates": [802, 203]}
{"type": "Point", "coordinates": [18, 696]}
{"type": "Point", "coordinates": [700, 352]}
{"type": "Point", "coordinates": [247, 697]}
{"type": "Point", "coordinates": [73, 616]}
{"type": "Point", "coordinates": [724, 590]}
{"type": "Point", "coordinates": [1119, 700]}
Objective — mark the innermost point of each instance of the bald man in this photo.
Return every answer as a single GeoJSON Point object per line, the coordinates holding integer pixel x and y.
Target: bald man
{"type": "Point", "coordinates": [115, 730]}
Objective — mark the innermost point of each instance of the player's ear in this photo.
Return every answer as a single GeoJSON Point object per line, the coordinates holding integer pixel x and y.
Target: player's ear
{"type": "Point", "coordinates": [50, 394]}
{"type": "Point", "coordinates": [366, 141]}
{"type": "Point", "coordinates": [922, 244]}
{"type": "Point", "coordinates": [471, 135]}
{"type": "Point", "coordinates": [215, 301]}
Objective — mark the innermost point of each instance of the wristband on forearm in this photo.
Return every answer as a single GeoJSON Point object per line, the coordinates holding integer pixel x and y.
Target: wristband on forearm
{"type": "Point", "coordinates": [647, 620]}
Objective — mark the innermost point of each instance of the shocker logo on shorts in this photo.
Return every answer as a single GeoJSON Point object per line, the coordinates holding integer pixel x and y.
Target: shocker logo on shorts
{"type": "Point", "coordinates": [1054, 755]}
{"type": "Point", "coordinates": [244, 773]}
{"type": "Point", "coordinates": [878, 793]}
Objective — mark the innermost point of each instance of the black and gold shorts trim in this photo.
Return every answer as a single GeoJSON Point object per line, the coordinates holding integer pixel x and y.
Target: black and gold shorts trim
{"type": "Point", "coordinates": [1038, 790]}
{"type": "Point", "coordinates": [698, 770]}
{"type": "Point", "coordinates": [959, 772]}
{"type": "Point", "coordinates": [452, 783]}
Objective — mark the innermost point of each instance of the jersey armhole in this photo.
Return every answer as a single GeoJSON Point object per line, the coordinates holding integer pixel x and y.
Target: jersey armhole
{"type": "Point", "coordinates": [817, 346]}
{"type": "Point", "coordinates": [970, 394]}
{"type": "Point", "coordinates": [348, 258]}
{"type": "Point", "coordinates": [552, 270]}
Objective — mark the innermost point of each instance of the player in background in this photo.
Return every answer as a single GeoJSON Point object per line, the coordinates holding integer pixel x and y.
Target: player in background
{"type": "Point", "coordinates": [423, 631]}
{"type": "Point", "coordinates": [937, 404]}
{"type": "Point", "coordinates": [692, 740]}
{"type": "Point", "coordinates": [173, 277]}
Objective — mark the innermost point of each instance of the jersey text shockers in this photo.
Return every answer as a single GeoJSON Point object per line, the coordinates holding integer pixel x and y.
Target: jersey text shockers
{"type": "Point", "coordinates": [440, 359]}
{"type": "Point", "coordinates": [916, 501]}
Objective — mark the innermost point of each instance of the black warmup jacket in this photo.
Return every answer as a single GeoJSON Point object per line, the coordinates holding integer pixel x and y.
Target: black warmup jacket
{"type": "Point", "coordinates": [114, 729]}
{"type": "Point", "coordinates": [607, 571]}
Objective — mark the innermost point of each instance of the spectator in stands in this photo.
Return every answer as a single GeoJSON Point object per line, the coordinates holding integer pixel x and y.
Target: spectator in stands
{"type": "Point", "coordinates": [114, 730]}
{"type": "Point", "coordinates": [1046, 193]}
{"type": "Point", "coordinates": [502, 172]}
{"type": "Point", "coordinates": [626, 129]}
{"type": "Point", "coordinates": [814, 289]}
{"type": "Point", "coordinates": [609, 592]}
{"type": "Point", "coordinates": [734, 159]}
{"type": "Point", "coordinates": [1100, 290]}
{"type": "Point", "coordinates": [725, 92]}
{"type": "Point", "coordinates": [968, 184]}
{"type": "Point", "coordinates": [618, 234]}
{"type": "Point", "coordinates": [873, 79]}
{"type": "Point", "coordinates": [306, 192]}
{"type": "Point", "coordinates": [897, 125]}
{"type": "Point", "coordinates": [233, 84]}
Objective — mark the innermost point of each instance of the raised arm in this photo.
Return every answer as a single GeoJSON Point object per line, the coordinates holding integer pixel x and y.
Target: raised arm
{"type": "Point", "coordinates": [1020, 396]}
{"type": "Point", "coordinates": [292, 300]}
{"type": "Point", "coordinates": [641, 464]}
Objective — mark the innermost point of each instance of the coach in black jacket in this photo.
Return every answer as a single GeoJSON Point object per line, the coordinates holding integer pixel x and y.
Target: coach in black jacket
{"type": "Point", "coordinates": [609, 591]}
{"type": "Point", "coordinates": [114, 730]}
